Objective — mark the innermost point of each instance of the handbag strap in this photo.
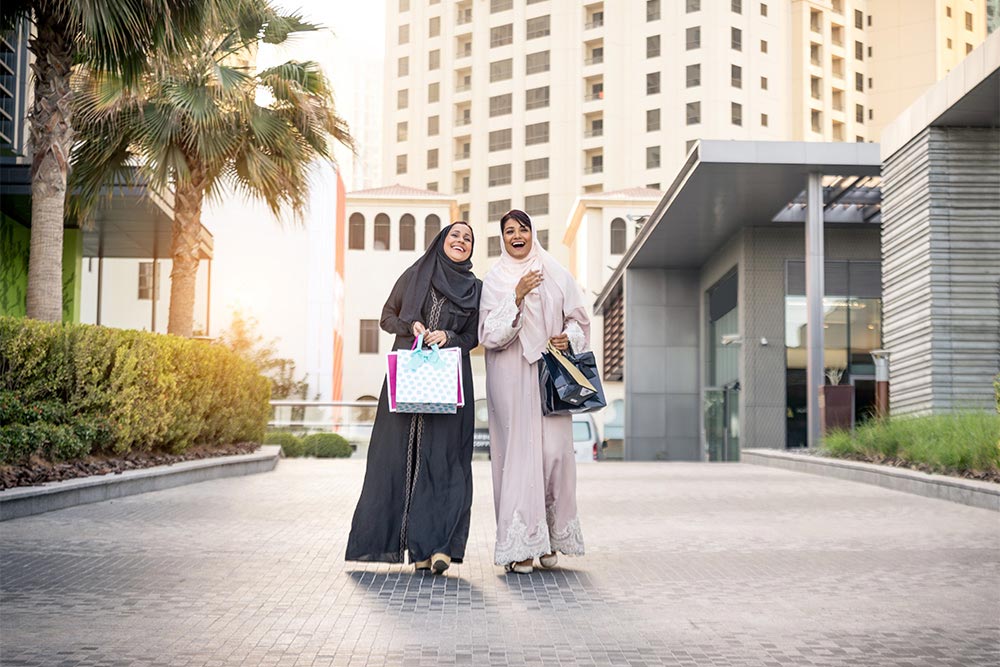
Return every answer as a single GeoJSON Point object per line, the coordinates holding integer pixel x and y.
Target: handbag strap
{"type": "Point", "coordinates": [570, 367]}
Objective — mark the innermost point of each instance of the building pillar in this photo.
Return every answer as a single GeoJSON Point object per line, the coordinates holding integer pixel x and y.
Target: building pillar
{"type": "Point", "coordinates": [814, 305]}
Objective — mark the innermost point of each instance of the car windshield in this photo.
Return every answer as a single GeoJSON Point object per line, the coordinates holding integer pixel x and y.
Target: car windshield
{"type": "Point", "coordinates": [581, 431]}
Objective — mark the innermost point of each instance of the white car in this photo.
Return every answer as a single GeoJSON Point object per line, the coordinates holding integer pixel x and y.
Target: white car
{"type": "Point", "coordinates": [586, 440]}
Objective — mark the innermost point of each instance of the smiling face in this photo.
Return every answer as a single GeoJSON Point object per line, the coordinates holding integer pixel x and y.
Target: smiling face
{"type": "Point", "coordinates": [458, 243]}
{"type": "Point", "coordinates": [517, 238]}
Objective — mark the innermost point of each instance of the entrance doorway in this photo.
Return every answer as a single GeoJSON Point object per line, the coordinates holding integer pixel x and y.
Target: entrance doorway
{"type": "Point", "coordinates": [722, 422]}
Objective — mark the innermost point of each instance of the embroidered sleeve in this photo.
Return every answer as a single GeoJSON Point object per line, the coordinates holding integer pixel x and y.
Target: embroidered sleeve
{"type": "Point", "coordinates": [577, 339]}
{"type": "Point", "coordinates": [501, 325]}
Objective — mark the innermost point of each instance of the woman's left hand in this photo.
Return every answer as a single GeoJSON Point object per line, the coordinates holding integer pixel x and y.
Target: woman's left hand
{"type": "Point", "coordinates": [560, 342]}
{"type": "Point", "coordinates": [435, 338]}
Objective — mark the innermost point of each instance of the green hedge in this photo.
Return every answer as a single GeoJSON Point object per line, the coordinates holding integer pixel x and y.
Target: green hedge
{"type": "Point", "coordinates": [67, 390]}
{"type": "Point", "coordinates": [291, 444]}
{"type": "Point", "coordinates": [327, 446]}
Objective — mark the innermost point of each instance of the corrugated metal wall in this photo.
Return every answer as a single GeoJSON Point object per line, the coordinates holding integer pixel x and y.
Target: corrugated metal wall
{"type": "Point", "coordinates": [941, 269]}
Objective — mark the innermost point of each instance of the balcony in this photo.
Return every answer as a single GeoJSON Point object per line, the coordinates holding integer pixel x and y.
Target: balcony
{"type": "Point", "coordinates": [594, 60]}
{"type": "Point", "coordinates": [463, 155]}
{"type": "Point", "coordinates": [596, 23]}
{"type": "Point", "coordinates": [462, 122]}
{"type": "Point", "coordinates": [465, 87]}
{"type": "Point", "coordinates": [463, 17]}
{"type": "Point", "coordinates": [594, 169]}
{"type": "Point", "coordinates": [596, 132]}
{"type": "Point", "coordinates": [593, 97]}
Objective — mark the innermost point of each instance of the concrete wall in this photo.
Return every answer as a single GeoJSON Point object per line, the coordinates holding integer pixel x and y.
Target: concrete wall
{"type": "Point", "coordinates": [663, 403]}
{"type": "Point", "coordinates": [941, 273]}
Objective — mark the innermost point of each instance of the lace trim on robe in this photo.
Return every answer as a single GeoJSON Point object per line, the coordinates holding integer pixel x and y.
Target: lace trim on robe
{"type": "Point", "coordinates": [569, 540]}
{"type": "Point", "coordinates": [502, 320]}
{"type": "Point", "coordinates": [522, 543]}
{"type": "Point", "coordinates": [576, 338]}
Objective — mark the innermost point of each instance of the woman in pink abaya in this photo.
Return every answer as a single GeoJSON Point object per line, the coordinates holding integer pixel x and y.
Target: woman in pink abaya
{"type": "Point", "coordinates": [530, 300]}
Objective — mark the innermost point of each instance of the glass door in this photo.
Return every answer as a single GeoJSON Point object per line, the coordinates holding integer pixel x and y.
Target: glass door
{"type": "Point", "coordinates": [722, 422]}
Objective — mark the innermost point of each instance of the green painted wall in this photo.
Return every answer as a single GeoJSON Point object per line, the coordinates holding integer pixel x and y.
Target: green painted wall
{"type": "Point", "coordinates": [15, 241]}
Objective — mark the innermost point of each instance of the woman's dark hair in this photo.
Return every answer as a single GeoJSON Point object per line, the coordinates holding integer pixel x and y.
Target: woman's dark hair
{"type": "Point", "coordinates": [515, 214]}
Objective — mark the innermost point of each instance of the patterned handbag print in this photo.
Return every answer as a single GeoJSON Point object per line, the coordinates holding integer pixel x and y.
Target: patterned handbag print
{"type": "Point", "coordinates": [426, 381]}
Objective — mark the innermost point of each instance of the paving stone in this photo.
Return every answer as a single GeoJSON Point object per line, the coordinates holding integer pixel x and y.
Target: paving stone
{"type": "Point", "coordinates": [687, 564]}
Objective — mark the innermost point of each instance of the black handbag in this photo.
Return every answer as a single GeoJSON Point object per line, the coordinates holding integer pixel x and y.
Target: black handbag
{"type": "Point", "coordinates": [569, 383]}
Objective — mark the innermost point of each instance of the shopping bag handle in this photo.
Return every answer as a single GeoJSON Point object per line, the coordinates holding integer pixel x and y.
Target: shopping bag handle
{"type": "Point", "coordinates": [570, 367]}
{"type": "Point", "coordinates": [420, 356]}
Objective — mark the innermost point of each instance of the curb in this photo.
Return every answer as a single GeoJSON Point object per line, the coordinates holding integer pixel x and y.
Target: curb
{"type": "Point", "coordinates": [971, 492]}
{"type": "Point", "coordinates": [28, 500]}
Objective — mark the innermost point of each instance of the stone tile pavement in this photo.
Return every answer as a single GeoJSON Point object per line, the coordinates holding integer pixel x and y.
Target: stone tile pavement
{"type": "Point", "coordinates": [688, 564]}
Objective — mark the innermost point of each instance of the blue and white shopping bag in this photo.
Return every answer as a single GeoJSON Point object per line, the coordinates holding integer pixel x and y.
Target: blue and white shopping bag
{"type": "Point", "coordinates": [427, 381]}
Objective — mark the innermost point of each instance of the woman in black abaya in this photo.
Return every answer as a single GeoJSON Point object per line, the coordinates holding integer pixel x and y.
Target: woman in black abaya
{"type": "Point", "coordinates": [417, 494]}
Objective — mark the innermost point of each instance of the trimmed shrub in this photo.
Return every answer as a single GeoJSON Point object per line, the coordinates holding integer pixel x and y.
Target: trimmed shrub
{"type": "Point", "coordinates": [113, 391]}
{"type": "Point", "coordinates": [291, 445]}
{"type": "Point", "coordinates": [327, 446]}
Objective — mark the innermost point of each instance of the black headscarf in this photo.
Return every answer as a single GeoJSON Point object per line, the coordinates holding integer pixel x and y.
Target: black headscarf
{"type": "Point", "coordinates": [454, 280]}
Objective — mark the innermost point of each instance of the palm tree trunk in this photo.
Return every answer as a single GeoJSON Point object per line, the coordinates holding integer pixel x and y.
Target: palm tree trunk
{"type": "Point", "coordinates": [185, 241]}
{"type": "Point", "coordinates": [51, 142]}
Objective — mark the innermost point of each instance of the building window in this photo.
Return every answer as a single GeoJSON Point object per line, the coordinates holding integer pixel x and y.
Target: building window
{"type": "Point", "coordinates": [737, 6]}
{"type": "Point", "coordinates": [149, 280]}
{"type": "Point", "coordinates": [859, 50]}
{"type": "Point", "coordinates": [402, 99]}
{"type": "Point", "coordinates": [400, 164]}
{"type": "Point", "coordinates": [652, 120]}
{"type": "Point", "coordinates": [404, 34]}
{"type": "Point", "coordinates": [618, 239]}
{"type": "Point", "coordinates": [736, 39]}
{"type": "Point", "coordinates": [501, 70]}
{"type": "Point", "coordinates": [493, 246]}
{"type": "Point", "coordinates": [947, 12]}
{"type": "Point", "coordinates": [817, 120]}
{"type": "Point", "coordinates": [652, 157]}
{"type": "Point", "coordinates": [502, 35]}
{"type": "Point", "coordinates": [692, 6]}
{"type": "Point", "coordinates": [859, 19]}
{"type": "Point", "coordinates": [403, 66]}
{"type": "Point", "coordinates": [763, 83]}
{"type": "Point", "coordinates": [434, 59]}
{"type": "Point", "coordinates": [816, 55]}
{"type": "Point", "coordinates": [736, 113]}
{"type": "Point", "coordinates": [536, 98]}
{"type": "Point", "coordinates": [652, 83]}
{"type": "Point", "coordinates": [535, 170]}
{"type": "Point", "coordinates": [500, 5]}
{"type": "Point", "coordinates": [949, 42]}
{"type": "Point", "coordinates": [536, 204]}
{"type": "Point", "coordinates": [652, 46]}
{"type": "Point", "coordinates": [537, 62]}
{"type": "Point", "coordinates": [500, 105]}
{"type": "Point", "coordinates": [543, 238]}
{"type": "Point", "coordinates": [500, 140]}
{"type": "Point", "coordinates": [968, 49]}
{"type": "Point", "coordinates": [693, 113]}
{"type": "Point", "coordinates": [539, 26]}
{"type": "Point", "coordinates": [434, 26]}
{"type": "Point", "coordinates": [652, 10]}
{"type": "Point", "coordinates": [382, 232]}
{"type": "Point", "coordinates": [356, 232]}
{"type": "Point", "coordinates": [407, 232]}
{"type": "Point", "coordinates": [536, 133]}
{"type": "Point", "coordinates": [692, 38]}
{"type": "Point", "coordinates": [368, 335]}
{"type": "Point", "coordinates": [596, 128]}
{"type": "Point", "coordinates": [433, 125]}
{"type": "Point", "coordinates": [859, 113]}
{"type": "Point", "coordinates": [816, 21]}
{"type": "Point", "coordinates": [432, 227]}
{"type": "Point", "coordinates": [763, 120]}
{"type": "Point", "coordinates": [968, 21]}
{"type": "Point", "coordinates": [404, 5]}
{"type": "Point", "coordinates": [763, 46]}
{"type": "Point", "coordinates": [401, 131]}
{"type": "Point", "coordinates": [433, 92]}
{"type": "Point", "coordinates": [763, 9]}
{"type": "Point", "coordinates": [432, 158]}
{"type": "Point", "coordinates": [816, 87]}
{"type": "Point", "coordinates": [736, 76]}
{"type": "Point", "coordinates": [497, 208]}
{"type": "Point", "coordinates": [500, 175]}
{"type": "Point", "coordinates": [433, 186]}
{"type": "Point", "coordinates": [859, 82]}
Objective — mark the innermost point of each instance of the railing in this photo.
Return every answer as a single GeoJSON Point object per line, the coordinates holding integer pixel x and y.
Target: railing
{"type": "Point", "coordinates": [594, 169]}
{"type": "Point", "coordinates": [351, 419]}
{"type": "Point", "coordinates": [593, 24]}
{"type": "Point", "coordinates": [596, 132]}
{"type": "Point", "coordinates": [591, 97]}
{"type": "Point", "coordinates": [595, 60]}
{"type": "Point", "coordinates": [464, 17]}
{"type": "Point", "coordinates": [463, 156]}
{"type": "Point", "coordinates": [463, 88]}
{"type": "Point", "coordinates": [463, 121]}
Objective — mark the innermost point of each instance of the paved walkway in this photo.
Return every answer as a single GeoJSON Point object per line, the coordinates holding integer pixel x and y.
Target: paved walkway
{"type": "Point", "coordinates": [688, 564]}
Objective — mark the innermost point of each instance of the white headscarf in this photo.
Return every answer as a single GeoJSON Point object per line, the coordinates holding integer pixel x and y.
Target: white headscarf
{"type": "Point", "coordinates": [546, 308]}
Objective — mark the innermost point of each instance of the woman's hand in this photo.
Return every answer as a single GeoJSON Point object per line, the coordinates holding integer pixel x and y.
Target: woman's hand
{"type": "Point", "coordinates": [560, 342]}
{"type": "Point", "coordinates": [528, 282]}
{"type": "Point", "coordinates": [435, 338]}
{"type": "Point", "coordinates": [419, 329]}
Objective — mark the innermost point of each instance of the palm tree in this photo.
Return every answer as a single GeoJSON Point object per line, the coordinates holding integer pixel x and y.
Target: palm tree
{"type": "Point", "coordinates": [116, 35]}
{"type": "Point", "coordinates": [196, 124]}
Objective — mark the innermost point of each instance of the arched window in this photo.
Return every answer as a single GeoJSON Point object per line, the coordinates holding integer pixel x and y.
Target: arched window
{"type": "Point", "coordinates": [617, 236]}
{"type": "Point", "coordinates": [356, 232]}
{"type": "Point", "coordinates": [382, 232]}
{"type": "Point", "coordinates": [432, 226]}
{"type": "Point", "coordinates": [407, 232]}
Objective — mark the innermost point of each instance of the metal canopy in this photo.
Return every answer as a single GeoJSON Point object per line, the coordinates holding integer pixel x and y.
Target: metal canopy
{"type": "Point", "coordinates": [727, 185]}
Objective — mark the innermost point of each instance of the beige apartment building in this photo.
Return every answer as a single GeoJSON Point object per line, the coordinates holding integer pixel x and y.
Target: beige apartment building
{"type": "Point", "coordinates": [531, 103]}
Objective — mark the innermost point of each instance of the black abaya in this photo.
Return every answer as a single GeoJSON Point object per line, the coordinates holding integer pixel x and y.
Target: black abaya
{"type": "Point", "coordinates": [435, 460]}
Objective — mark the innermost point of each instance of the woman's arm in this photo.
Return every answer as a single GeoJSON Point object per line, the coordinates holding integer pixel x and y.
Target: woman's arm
{"type": "Point", "coordinates": [390, 322]}
{"type": "Point", "coordinates": [500, 326]}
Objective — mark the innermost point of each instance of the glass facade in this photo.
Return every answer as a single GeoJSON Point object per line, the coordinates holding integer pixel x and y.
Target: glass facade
{"type": "Point", "coordinates": [852, 328]}
{"type": "Point", "coordinates": [721, 404]}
